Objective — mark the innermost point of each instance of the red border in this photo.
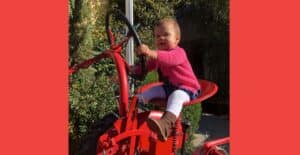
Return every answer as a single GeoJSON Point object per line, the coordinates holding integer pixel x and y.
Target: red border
{"type": "Point", "coordinates": [33, 78]}
{"type": "Point", "coordinates": [264, 77]}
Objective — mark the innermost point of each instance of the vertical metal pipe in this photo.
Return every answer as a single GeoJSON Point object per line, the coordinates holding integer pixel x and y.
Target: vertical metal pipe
{"type": "Point", "coordinates": [130, 45]}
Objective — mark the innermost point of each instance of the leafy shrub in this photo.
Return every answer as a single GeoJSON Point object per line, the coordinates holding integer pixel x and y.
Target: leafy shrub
{"type": "Point", "coordinates": [192, 113]}
{"type": "Point", "coordinates": [91, 97]}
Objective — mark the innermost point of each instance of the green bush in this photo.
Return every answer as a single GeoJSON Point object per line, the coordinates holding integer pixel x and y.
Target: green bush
{"type": "Point", "coordinates": [91, 97]}
{"type": "Point", "coordinates": [192, 113]}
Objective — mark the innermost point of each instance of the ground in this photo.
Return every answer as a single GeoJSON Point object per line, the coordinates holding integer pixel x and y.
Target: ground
{"type": "Point", "coordinates": [212, 127]}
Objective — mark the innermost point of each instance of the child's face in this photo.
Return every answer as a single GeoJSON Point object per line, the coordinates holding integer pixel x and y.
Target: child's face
{"type": "Point", "coordinates": [166, 36]}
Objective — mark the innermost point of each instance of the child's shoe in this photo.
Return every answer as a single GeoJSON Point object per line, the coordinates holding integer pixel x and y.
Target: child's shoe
{"type": "Point", "coordinates": [163, 126]}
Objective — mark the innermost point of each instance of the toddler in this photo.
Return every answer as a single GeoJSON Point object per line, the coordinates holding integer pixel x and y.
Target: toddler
{"type": "Point", "coordinates": [180, 83]}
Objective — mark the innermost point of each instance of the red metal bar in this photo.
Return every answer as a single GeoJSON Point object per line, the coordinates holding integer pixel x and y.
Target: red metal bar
{"type": "Point", "coordinates": [133, 139]}
{"type": "Point", "coordinates": [216, 142]}
{"type": "Point", "coordinates": [124, 90]}
{"type": "Point", "coordinates": [111, 38]}
{"type": "Point", "coordinates": [210, 148]}
{"type": "Point", "coordinates": [134, 132]}
{"type": "Point", "coordinates": [89, 62]}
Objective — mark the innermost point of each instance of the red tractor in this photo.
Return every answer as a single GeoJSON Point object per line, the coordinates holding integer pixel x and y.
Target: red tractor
{"type": "Point", "coordinates": [128, 133]}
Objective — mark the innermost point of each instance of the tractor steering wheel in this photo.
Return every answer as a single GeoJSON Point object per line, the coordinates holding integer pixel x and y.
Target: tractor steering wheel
{"type": "Point", "coordinates": [131, 32]}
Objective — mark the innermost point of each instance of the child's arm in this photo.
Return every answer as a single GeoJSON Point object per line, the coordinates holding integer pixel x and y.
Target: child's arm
{"type": "Point", "coordinates": [171, 58]}
{"type": "Point", "coordinates": [168, 58]}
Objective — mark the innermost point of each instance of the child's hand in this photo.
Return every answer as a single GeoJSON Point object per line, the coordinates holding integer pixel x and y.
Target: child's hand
{"type": "Point", "coordinates": [144, 50]}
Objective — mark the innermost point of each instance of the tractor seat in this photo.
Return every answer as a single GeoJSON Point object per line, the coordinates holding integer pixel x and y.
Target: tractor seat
{"type": "Point", "coordinates": [208, 89]}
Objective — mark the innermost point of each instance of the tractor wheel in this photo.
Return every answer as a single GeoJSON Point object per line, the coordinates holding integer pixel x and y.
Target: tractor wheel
{"type": "Point", "coordinates": [88, 144]}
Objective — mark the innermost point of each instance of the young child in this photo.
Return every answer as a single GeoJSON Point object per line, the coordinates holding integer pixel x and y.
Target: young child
{"type": "Point", "coordinates": [180, 83]}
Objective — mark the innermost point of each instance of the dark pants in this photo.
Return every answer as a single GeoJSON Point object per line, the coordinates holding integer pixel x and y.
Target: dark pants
{"type": "Point", "coordinates": [169, 88]}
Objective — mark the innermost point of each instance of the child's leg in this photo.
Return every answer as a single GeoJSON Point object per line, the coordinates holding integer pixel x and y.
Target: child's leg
{"type": "Point", "coordinates": [154, 92]}
{"type": "Point", "coordinates": [176, 100]}
{"type": "Point", "coordinates": [163, 126]}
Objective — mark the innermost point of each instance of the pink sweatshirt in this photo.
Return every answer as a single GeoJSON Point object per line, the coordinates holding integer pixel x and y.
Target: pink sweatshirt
{"type": "Point", "coordinates": [175, 66]}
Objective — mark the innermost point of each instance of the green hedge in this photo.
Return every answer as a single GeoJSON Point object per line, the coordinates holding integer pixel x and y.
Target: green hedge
{"type": "Point", "coordinates": [91, 97]}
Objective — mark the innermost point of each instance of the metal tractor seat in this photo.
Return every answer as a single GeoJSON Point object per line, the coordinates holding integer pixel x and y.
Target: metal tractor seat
{"type": "Point", "coordinates": [208, 89]}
